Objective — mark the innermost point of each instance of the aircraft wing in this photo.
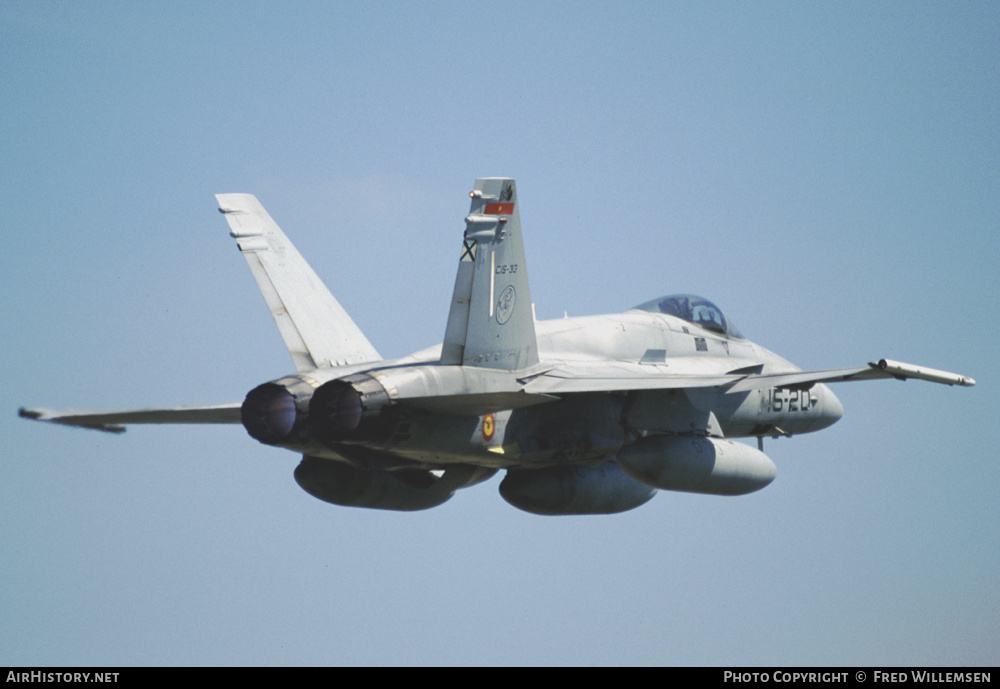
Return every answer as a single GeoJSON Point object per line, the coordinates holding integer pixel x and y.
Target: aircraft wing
{"type": "Point", "coordinates": [615, 376]}
{"type": "Point", "coordinates": [625, 376]}
{"type": "Point", "coordinates": [539, 386]}
{"type": "Point", "coordinates": [884, 368]}
{"type": "Point", "coordinates": [115, 421]}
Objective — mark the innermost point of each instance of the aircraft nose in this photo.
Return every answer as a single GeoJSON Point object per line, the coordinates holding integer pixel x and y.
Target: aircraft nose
{"type": "Point", "coordinates": [830, 408]}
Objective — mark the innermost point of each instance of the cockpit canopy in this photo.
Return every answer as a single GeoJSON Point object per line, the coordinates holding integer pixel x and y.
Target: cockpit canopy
{"type": "Point", "coordinates": [693, 309]}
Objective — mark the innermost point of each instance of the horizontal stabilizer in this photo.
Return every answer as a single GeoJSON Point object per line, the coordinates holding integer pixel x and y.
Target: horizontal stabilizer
{"type": "Point", "coordinates": [115, 421]}
{"type": "Point", "coordinates": [316, 329]}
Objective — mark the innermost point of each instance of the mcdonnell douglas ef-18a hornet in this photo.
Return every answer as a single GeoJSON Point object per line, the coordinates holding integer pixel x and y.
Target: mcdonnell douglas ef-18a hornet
{"type": "Point", "coordinates": [586, 415]}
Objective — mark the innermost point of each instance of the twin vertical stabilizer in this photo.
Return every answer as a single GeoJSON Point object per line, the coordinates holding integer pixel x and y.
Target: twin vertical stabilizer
{"type": "Point", "coordinates": [315, 328]}
{"type": "Point", "coordinates": [491, 324]}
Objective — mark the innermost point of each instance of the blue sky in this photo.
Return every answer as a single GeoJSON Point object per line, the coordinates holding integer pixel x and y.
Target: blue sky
{"type": "Point", "coordinates": [828, 173]}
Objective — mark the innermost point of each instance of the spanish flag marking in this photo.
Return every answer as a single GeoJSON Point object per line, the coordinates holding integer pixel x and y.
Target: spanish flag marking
{"type": "Point", "coordinates": [499, 209]}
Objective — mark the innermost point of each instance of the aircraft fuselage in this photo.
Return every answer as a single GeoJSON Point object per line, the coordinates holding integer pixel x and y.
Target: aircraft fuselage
{"type": "Point", "coordinates": [544, 431]}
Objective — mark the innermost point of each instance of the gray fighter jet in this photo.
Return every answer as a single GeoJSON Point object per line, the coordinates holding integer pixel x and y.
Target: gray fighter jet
{"type": "Point", "coordinates": [585, 415]}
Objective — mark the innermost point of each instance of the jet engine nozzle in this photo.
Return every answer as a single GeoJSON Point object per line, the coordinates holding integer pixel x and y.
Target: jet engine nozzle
{"type": "Point", "coordinates": [274, 413]}
{"type": "Point", "coordinates": [268, 413]}
{"type": "Point", "coordinates": [350, 409]}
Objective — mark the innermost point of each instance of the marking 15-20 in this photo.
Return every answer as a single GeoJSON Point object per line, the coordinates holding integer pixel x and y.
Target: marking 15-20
{"type": "Point", "coordinates": [783, 399]}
